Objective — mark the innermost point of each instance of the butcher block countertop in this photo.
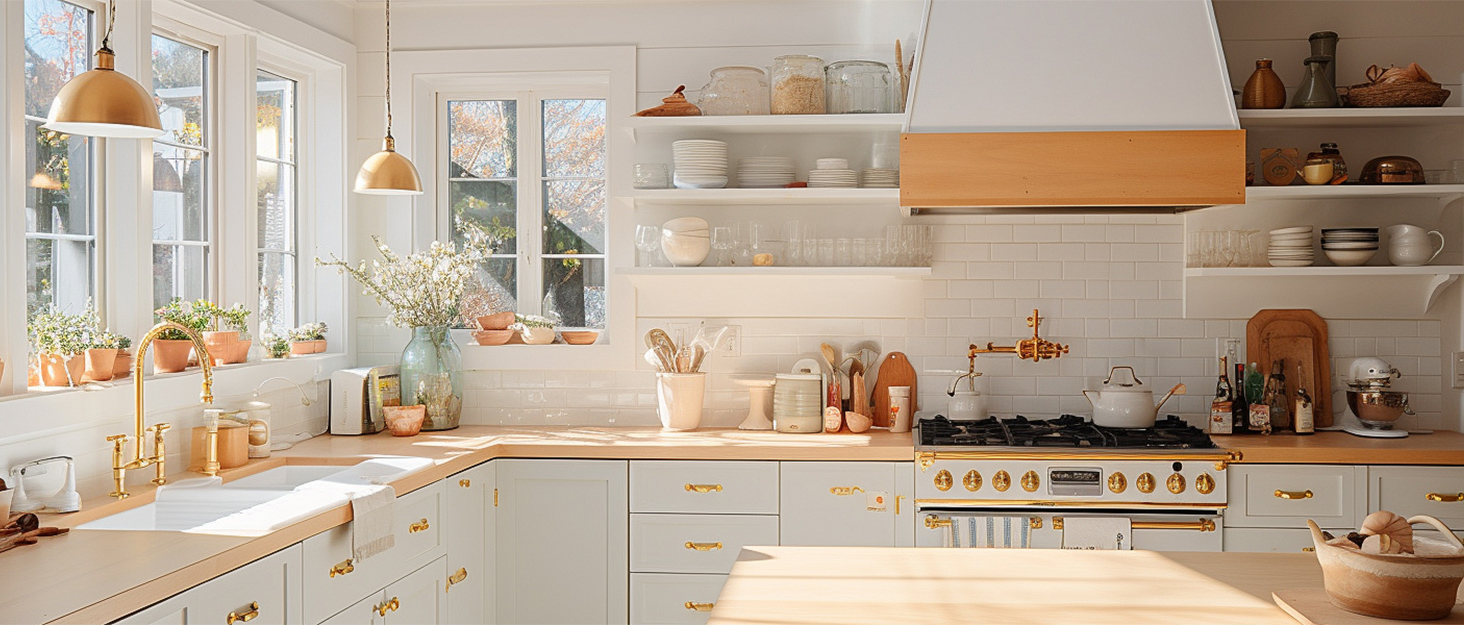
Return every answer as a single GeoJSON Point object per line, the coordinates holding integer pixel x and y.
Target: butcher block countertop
{"type": "Point", "coordinates": [1440, 448]}
{"type": "Point", "coordinates": [857, 585]}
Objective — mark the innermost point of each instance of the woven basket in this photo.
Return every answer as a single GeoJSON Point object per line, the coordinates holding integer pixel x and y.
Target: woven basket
{"type": "Point", "coordinates": [1397, 94]}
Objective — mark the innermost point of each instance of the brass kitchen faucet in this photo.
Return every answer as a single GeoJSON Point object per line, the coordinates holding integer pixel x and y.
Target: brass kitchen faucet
{"type": "Point", "coordinates": [1035, 349]}
{"type": "Point", "coordinates": [159, 456]}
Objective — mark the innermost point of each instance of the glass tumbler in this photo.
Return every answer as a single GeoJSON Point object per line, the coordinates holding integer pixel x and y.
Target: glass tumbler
{"type": "Point", "coordinates": [859, 253]}
{"type": "Point", "coordinates": [859, 87]}
{"type": "Point", "coordinates": [826, 252]}
{"type": "Point", "coordinates": [843, 256]}
{"type": "Point", "coordinates": [651, 176]}
{"type": "Point", "coordinates": [735, 90]}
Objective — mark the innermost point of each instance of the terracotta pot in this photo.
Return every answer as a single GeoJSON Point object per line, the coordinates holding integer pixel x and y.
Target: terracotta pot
{"type": "Point", "coordinates": [302, 348]}
{"type": "Point", "coordinates": [100, 363]}
{"type": "Point", "coordinates": [171, 356]}
{"type": "Point", "coordinates": [496, 321]}
{"type": "Point", "coordinates": [405, 420]}
{"type": "Point", "coordinates": [221, 345]}
{"type": "Point", "coordinates": [2, 368]}
{"type": "Point", "coordinates": [62, 369]}
{"type": "Point", "coordinates": [319, 346]}
{"type": "Point", "coordinates": [240, 353]}
{"type": "Point", "coordinates": [122, 366]}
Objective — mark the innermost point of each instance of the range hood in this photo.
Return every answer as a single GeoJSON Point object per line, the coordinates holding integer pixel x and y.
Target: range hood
{"type": "Point", "coordinates": [1071, 106]}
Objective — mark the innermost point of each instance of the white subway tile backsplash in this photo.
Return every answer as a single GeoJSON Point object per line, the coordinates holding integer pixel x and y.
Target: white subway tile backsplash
{"type": "Point", "coordinates": [1046, 233]}
{"type": "Point", "coordinates": [1014, 251]}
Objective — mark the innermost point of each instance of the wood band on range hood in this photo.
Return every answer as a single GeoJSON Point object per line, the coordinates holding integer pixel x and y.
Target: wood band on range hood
{"type": "Point", "coordinates": [1158, 168]}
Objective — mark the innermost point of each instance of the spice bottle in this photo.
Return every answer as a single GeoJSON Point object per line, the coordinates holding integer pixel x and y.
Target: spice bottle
{"type": "Point", "coordinates": [798, 85]}
{"type": "Point", "coordinates": [900, 409]}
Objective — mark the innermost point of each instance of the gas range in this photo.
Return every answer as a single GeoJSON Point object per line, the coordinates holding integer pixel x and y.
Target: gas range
{"type": "Point", "coordinates": [1070, 431]}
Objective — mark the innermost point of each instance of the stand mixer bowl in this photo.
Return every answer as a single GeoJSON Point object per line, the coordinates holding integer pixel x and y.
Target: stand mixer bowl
{"type": "Point", "coordinates": [1378, 409]}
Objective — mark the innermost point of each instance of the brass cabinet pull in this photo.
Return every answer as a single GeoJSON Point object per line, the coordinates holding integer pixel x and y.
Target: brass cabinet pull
{"type": "Point", "coordinates": [456, 578]}
{"type": "Point", "coordinates": [703, 488]}
{"type": "Point", "coordinates": [1291, 494]}
{"type": "Point", "coordinates": [1034, 523]}
{"type": "Point", "coordinates": [699, 607]}
{"type": "Point", "coordinates": [934, 523]}
{"type": "Point", "coordinates": [1450, 498]}
{"type": "Point", "coordinates": [387, 606]}
{"type": "Point", "coordinates": [341, 569]}
{"type": "Point", "coordinates": [244, 617]}
{"type": "Point", "coordinates": [703, 546]}
{"type": "Point", "coordinates": [1203, 525]}
{"type": "Point", "coordinates": [465, 482]}
{"type": "Point", "coordinates": [1308, 549]}
{"type": "Point", "coordinates": [419, 526]}
{"type": "Point", "coordinates": [897, 504]}
{"type": "Point", "coordinates": [844, 490]}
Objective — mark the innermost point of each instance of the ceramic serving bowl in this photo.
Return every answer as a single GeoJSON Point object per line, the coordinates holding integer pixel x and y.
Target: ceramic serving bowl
{"type": "Point", "coordinates": [579, 337]}
{"type": "Point", "coordinates": [685, 250]}
{"type": "Point", "coordinates": [404, 420]}
{"type": "Point", "coordinates": [1418, 586]}
{"type": "Point", "coordinates": [493, 337]}
{"type": "Point", "coordinates": [1349, 258]}
{"type": "Point", "coordinates": [496, 321]}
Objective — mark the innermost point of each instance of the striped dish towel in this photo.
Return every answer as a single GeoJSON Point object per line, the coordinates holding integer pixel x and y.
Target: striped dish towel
{"type": "Point", "coordinates": [989, 531]}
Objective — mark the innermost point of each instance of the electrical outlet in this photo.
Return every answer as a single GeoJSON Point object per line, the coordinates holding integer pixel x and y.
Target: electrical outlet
{"type": "Point", "coordinates": [1458, 370]}
{"type": "Point", "coordinates": [732, 342]}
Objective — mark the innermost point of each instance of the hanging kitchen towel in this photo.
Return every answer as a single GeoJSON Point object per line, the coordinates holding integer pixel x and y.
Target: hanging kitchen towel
{"type": "Point", "coordinates": [989, 532]}
{"type": "Point", "coordinates": [1097, 533]}
{"type": "Point", "coordinates": [374, 513]}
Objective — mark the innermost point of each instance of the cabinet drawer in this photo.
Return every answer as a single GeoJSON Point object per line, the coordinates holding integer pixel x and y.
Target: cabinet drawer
{"type": "Point", "coordinates": [1273, 540]}
{"type": "Point", "coordinates": [844, 504]}
{"type": "Point", "coordinates": [334, 580]}
{"type": "Point", "coordinates": [658, 599]}
{"type": "Point", "coordinates": [1285, 496]}
{"type": "Point", "coordinates": [1435, 491]}
{"type": "Point", "coordinates": [694, 543]}
{"type": "Point", "coordinates": [267, 589]}
{"type": "Point", "coordinates": [707, 487]}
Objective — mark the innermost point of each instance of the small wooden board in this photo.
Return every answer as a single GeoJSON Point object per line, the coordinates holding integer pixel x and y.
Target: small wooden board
{"type": "Point", "coordinates": [894, 370]}
{"type": "Point", "coordinates": [1298, 336]}
{"type": "Point", "coordinates": [1312, 607]}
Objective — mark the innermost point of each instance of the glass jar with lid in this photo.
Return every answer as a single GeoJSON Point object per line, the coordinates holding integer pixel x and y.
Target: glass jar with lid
{"type": "Point", "coordinates": [860, 87]}
{"type": "Point", "coordinates": [735, 90]}
{"type": "Point", "coordinates": [798, 85]}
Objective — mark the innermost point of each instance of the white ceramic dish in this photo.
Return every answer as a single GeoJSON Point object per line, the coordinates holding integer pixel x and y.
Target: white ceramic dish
{"type": "Point", "coordinates": [1350, 258]}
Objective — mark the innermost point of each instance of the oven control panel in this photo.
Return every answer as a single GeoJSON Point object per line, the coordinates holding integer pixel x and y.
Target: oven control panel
{"type": "Point", "coordinates": [1069, 482]}
{"type": "Point", "coordinates": [1082, 481]}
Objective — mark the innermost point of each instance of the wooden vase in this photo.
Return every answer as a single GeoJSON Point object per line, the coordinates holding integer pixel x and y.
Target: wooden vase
{"type": "Point", "coordinates": [171, 356]}
{"type": "Point", "coordinates": [62, 369]}
{"type": "Point", "coordinates": [1264, 89]}
{"type": "Point", "coordinates": [100, 364]}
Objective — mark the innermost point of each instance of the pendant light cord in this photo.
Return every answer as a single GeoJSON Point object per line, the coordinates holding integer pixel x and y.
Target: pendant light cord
{"type": "Point", "coordinates": [388, 69]}
{"type": "Point", "coordinates": [111, 21]}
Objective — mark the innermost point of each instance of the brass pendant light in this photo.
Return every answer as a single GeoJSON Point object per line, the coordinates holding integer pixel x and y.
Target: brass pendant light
{"type": "Point", "coordinates": [387, 172]}
{"type": "Point", "coordinates": [103, 102]}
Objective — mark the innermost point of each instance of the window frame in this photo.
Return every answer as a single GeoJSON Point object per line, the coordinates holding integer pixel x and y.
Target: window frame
{"type": "Point", "coordinates": [295, 209]}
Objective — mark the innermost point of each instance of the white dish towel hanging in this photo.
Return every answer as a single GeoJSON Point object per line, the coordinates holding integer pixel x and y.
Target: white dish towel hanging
{"type": "Point", "coordinates": [1011, 532]}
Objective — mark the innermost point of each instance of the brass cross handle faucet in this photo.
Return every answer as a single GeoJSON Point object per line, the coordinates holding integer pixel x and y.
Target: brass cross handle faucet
{"type": "Point", "coordinates": [1035, 349]}
{"type": "Point", "coordinates": [158, 459]}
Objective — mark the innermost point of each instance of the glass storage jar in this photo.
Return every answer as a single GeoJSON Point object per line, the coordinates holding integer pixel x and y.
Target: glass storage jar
{"type": "Point", "coordinates": [860, 87]}
{"type": "Point", "coordinates": [735, 90]}
{"type": "Point", "coordinates": [798, 85]}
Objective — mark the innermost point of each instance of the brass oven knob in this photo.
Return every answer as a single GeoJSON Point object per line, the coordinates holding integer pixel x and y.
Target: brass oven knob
{"type": "Point", "coordinates": [1145, 483]}
{"type": "Point", "coordinates": [1117, 482]}
{"type": "Point", "coordinates": [972, 480]}
{"type": "Point", "coordinates": [943, 480]}
{"type": "Point", "coordinates": [1205, 484]}
{"type": "Point", "coordinates": [1030, 481]}
{"type": "Point", "coordinates": [1175, 483]}
{"type": "Point", "coordinates": [1001, 481]}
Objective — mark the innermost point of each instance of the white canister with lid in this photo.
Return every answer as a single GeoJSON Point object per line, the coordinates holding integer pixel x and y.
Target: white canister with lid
{"type": "Point", "coordinates": [900, 409]}
{"type": "Point", "coordinates": [798, 403]}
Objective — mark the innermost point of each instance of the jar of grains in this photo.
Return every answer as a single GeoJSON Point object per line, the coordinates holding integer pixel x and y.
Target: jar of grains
{"type": "Point", "coordinates": [860, 87]}
{"type": "Point", "coordinates": [798, 85]}
{"type": "Point", "coordinates": [735, 90]}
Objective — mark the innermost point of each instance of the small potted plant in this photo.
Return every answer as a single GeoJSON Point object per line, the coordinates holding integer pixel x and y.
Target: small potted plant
{"type": "Point", "coordinates": [308, 339]}
{"type": "Point", "coordinates": [59, 342]}
{"type": "Point", "coordinates": [171, 348]}
{"type": "Point", "coordinates": [122, 366]}
{"type": "Point", "coordinates": [534, 329]}
{"type": "Point", "coordinates": [101, 355]}
{"type": "Point", "coordinates": [276, 346]}
{"type": "Point", "coordinates": [227, 336]}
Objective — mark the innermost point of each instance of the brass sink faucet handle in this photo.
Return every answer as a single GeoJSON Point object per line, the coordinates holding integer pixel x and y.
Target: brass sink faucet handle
{"type": "Point", "coordinates": [1035, 349]}
{"type": "Point", "coordinates": [158, 459]}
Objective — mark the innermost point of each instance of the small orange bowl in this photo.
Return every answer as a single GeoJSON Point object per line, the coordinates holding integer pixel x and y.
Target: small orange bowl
{"type": "Point", "coordinates": [496, 321]}
{"type": "Point", "coordinates": [493, 337]}
{"type": "Point", "coordinates": [579, 337]}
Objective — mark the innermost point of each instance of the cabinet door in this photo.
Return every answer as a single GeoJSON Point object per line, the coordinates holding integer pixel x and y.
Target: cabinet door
{"type": "Point", "coordinates": [849, 504]}
{"type": "Point", "coordinates": [266, 590]}
{"type": "Point", "coordinates": [468, 529]}
{"type": "Point", "coordinates": [1286, 495]}
{"type": "Point", "coordinates": [1273, 540]}
{"type": "Point", "coordinates": [562, 541]}
{"type": "Point", "coordinates": [419, 598]}
{"type": "Point", "coordinates": [1409, 491]}
{"type": "Point", "coordinates": [363, 612]}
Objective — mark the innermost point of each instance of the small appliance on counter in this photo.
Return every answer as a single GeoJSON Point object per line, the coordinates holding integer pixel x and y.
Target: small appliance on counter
{"type": "Point", "coordinates": [30, 495]}
{"type": "Point", "coordinates": [1370, 400]}
{"type": "Point", "coordinates": [357, 396]}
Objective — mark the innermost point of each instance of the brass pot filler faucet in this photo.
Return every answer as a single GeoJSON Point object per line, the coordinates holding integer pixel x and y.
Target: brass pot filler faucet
{"type": "Point", "coordinates": [159, 455]}
{"type": "Point", "coordinates": [1036, 349]}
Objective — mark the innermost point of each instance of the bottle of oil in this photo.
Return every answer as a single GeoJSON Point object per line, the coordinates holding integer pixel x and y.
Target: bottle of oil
{"type": "Point", "coordinates": [1260, 411]}
{"type": "Point", "coordinates": [1302, 416]}
{"type": "Point", "coordinates": [1276, 397]}
{"type": "Point", "coordinates": [1220, 420]}
{"type": "Point", "coordinates": [1239, 407]}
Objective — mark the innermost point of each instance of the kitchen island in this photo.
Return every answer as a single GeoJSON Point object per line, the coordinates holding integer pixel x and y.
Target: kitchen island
{"type": "Point", "coordinates": [852, 586]}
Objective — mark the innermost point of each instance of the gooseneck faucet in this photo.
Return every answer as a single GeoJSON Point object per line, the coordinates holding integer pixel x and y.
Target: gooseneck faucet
{"type": "Point", "coordinates": [140, 459]}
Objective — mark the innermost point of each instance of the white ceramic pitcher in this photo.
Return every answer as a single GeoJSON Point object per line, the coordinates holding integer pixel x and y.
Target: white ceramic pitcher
{"type": "Point", "coordinates": [1408, 245]}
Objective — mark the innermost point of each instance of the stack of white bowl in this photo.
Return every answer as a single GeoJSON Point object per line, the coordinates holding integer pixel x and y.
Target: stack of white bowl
{"type": "Point", "coordinates": [764, 172]}
{"type": "Point", "coordinates": [833, 173]}
{"type": "Point", "coordinates": [686, 241]}
{"type": "Point", "coordinates": [1291, 247]}
{"type": "Point", "coordinates": [881, 178]}
{"type": "Point", "coordinates": [700, 164]}
{"type": "Point", "coordinates": [1349, 247]}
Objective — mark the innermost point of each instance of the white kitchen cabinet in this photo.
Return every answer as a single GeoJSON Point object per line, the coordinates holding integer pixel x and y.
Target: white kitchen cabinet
{"type": "Point", "coordinates": [1435, 491]}
{"type": "Point", "coordinates": [695, 543]}
{"type": "Point", "coordinates": [704, 486]}
{"type": "Point", "coordinates": [469, 531]}
{"type": "Point", "coordinates": [1274, 540]}
{"type": "Point", "coordinates": [659, 599]}
{"type": "Point", "coordinates": [854, 504]}
{"type": "Point", "coordinates": [1285, 496]}
{"type": "Point", "coordinates": [562, 541]}
{"type": "Point", "coordinates": [266, 590]}
{"type": "Point", "coordinates": [417, 599]}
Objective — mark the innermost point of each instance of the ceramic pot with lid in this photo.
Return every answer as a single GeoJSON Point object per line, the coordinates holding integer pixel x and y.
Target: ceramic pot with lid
{"type": "Point", "coordinates": [1126, 404]}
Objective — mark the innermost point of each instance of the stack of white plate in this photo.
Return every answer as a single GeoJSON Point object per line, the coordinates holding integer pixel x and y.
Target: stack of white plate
{"type": "Point", "coordinates": [830, 178]}
{"type": "Point", "coordinates": [881, 178]}
{"type": "Point", "coordinates": [1349, 247]}
{"type": "Point", "coordinates": [764, 172]}
{"type": "Point", "coordinates": [1291, 247]}
{"type": "Point", "coordinates": [700, 164]}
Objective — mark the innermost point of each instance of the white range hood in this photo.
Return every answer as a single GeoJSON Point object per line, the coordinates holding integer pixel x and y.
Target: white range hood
{"type": "Point", "coordinates": [1095, 104]}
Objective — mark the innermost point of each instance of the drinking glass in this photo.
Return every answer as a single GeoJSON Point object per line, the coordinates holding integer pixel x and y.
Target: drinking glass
{"type": "Point", "coordinates": [810, 251]}
{"type": "Point", "coordinates": [793, 254]}
{"type": "Point", "coordinates": [826, 252]}
{"type": "Point", "coordinates": [892, 246]}
{"type": "Point", "coordinates": [859, 253]}
{"type": "Point", "coordinates": [875, 253]}
{"type": "Point", "coordinates": [842, 255]}
{"type": "Point", "coordinates": [723, 240]}
{"type": "Point", "coordinates": [647, 239]}
{"type": "Point", "coordinates": [651, 176]}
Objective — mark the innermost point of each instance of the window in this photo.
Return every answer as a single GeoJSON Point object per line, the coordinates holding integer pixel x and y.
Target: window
{"type": "Point", "coordinates": [277, 198]}
{"type": "Point", "coordinates": [60, 199]}
{"type": "Point", "coordinates": [181, 166]}
{"type": "Point", "coordinates": [553, 184]}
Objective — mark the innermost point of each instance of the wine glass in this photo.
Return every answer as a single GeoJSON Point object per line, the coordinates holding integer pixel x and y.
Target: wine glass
{"type": "Point", "coordinates": [723, 240]}
{"type": "Point", "coordinates": [647, 238]}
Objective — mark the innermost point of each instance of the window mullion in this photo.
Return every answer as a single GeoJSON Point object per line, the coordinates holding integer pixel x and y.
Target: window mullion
{"type": "Point", "coordinates": [530, 207]}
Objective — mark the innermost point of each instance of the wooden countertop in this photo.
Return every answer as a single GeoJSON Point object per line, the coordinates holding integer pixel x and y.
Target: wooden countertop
{"type": "Point", "coordinates": [853, 586]}
{"type": "Point", "coordinates": [1440, 448]}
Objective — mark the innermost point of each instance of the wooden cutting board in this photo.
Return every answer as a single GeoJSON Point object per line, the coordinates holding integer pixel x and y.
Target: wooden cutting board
{"type": "Point", "coordinates": [894, 370]}
{"type": "Point", "coordinates": [1311, 607]}
{"type": "Point", "coordinates": [1298, 336]}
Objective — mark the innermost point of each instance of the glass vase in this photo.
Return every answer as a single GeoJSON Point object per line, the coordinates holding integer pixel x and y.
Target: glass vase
{"type": "Point", "coordinates": [432, 375]}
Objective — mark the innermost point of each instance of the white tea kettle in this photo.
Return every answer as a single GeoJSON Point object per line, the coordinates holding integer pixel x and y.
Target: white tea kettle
{"type": "Point", "coordinates": [1126, 404]}
{"type": "Point", "coordinates": [966, 403]}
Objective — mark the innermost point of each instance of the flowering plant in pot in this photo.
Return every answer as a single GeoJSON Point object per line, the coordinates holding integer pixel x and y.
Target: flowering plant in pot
{"type": "Point", "coordinates": [122, 365]}
{"type": "Point", "coordinates": [308, 338]}
{"type": "Point", "coordinates": [276, 345]}
{"type": "Point", "coordinates": [101, 354]}
{"type": "Point", "coordinates": [171, 348]}
{"type": "Point", "coordinates": [227, 336]}
{"type": "Point", "coordinates": [58, 343]}
{"type": "Point", "coordinates": [534, 330]}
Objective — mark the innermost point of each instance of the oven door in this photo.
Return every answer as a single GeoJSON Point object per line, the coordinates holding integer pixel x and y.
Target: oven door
{"type": "Point", "coordinates": [1186, 530]}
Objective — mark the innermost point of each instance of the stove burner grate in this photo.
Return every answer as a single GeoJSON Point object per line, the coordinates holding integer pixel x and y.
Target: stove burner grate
{"type": "Point", "coordinates": [1064, 431]}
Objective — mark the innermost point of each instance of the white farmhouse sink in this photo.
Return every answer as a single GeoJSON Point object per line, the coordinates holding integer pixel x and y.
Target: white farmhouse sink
{"type": "Point", "coordinates": [260, 503]}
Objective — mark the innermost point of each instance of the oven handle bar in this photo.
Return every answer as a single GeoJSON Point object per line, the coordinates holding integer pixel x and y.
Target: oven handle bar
{"type": "Point", "coordinates": [1202, 525]}
{"type": "Point", "coordinates": [1221, 458]}
{"type": "Point", "coordinates": [1048, 503]}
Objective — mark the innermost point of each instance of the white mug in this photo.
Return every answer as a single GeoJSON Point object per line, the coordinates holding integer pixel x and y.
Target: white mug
{"type": "Point", "coordinates": [1408, 246]}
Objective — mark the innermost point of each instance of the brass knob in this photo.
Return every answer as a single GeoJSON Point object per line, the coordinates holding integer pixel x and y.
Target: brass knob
{"type": "Point", "coordinates": [346, 566]}
{"type": "Point", "coordinates": [1205, 484]}
{"type": "Point", "coordinates": [1117, 483]}
{"type": "Point", "coordinates": [419, 526]}
{"type": "Point", "coordinates": [943, 480]}
{"type": "Point", "coordinates": [1145, 483]}
{"type": "Point", "coordinates": [387, 606]}
{"type": "Point", "coordinates": [465, 482]}
{"type": "Point", "coordinates": [1001, 481]}
{"type": "Point", "coordinates": [1175, 483]}
{"type": "Point", "coordinates": [972, 481]}
{"type": "Point", "coordinates": [1030, 481]}
{"type": "Point", "coordinates": [456, 578]}
{"type": "Point", "coordinates": [245, 616]}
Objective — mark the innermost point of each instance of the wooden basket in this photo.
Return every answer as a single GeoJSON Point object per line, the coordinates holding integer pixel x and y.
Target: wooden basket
{"type": "Point", "coordinates": [1409, 93]}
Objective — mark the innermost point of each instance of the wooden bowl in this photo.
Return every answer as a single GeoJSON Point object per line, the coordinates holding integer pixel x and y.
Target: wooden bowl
{"type": "Point", "coordinates": [493, 337]}
{"type": "Point", "coordinates": [579, 337]}
{"type": "Point", "coordinates": [497, 321]}
{"type": "Point", "coordinates": [1413, 587]}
